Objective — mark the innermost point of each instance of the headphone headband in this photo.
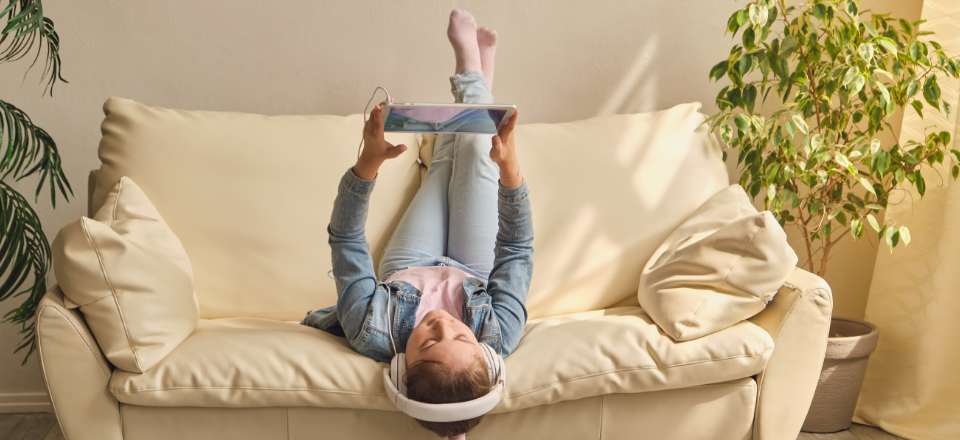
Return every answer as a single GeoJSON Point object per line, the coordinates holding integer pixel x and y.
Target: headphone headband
{"type": "Point", "coordinates": [396, 387]}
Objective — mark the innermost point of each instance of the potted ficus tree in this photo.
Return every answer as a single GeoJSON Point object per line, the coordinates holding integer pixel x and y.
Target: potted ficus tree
{"type": "Point", "coordinates": [812, 92]}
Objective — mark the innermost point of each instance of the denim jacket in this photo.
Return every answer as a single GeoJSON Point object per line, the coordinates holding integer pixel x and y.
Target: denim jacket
{"type": "Point", "coordinates": [376, 316]}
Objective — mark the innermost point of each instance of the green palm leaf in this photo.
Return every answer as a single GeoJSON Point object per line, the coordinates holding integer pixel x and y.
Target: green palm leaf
{"type": "Point", "coordinates": [26, 150]}
{"type": "Point", "coordinates": [24, 260]}
{"type": "Point", "coordinates": [25, 28]}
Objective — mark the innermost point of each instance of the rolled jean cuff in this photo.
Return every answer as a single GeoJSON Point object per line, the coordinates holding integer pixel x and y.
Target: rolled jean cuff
{"type": "Point", "coordinates": [351, 182]}
{"type": "Point", "coordinates": [515, 194]}
{"type": "Point", "coordinates": [470, 87]}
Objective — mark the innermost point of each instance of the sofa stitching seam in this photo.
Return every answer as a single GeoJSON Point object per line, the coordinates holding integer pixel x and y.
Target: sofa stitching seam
{"type": "Point", "coordinates": [603, 400]}
{"type": "Point", "coordinates": [539, 388]}
{"type": "Point", "coordinates": [113, 292]}
{"type": "Point", "coordinates": [230, 387]}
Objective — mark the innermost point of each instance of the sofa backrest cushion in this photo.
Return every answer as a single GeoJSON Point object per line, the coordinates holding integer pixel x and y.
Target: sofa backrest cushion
{"type": "Point", "coordinates": [606, 192]}
{"type": "Point", "coordinates": [722, 265]}
{"type": "Point", "coordinates": [131, 278]}
{"type": "Point", "coordinates": [250, 197]}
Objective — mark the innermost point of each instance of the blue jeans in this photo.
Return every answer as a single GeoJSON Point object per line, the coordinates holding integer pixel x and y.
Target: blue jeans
{"type": "Point", "coordinates": [452, 220]}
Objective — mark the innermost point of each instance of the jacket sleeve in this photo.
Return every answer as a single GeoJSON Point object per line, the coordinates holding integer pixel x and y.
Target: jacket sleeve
{"type": "Point", "coordinates": [509, 279]}
{"type": "Point", "coordinates": [352, 265]}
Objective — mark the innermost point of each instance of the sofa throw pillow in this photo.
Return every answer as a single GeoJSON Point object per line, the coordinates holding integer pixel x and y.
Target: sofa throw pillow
{"type": "Point", "coordinates": [131, 278]}
{"type": "Point", "coordinates": [722, 265]}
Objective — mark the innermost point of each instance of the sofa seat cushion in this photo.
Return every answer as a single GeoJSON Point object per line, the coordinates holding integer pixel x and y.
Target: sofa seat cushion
{"type": "Point", "coordinates": [254, 362]}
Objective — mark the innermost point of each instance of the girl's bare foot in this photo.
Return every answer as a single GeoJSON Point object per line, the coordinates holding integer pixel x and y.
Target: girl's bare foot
{"type": "Point", "coordinates": [487, 42]}
{"type": "Point", "coordinates": [462, 32]}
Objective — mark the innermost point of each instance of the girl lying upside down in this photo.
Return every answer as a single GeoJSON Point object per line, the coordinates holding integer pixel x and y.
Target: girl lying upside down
{"type": "Point", "coordinates": [455, 274]}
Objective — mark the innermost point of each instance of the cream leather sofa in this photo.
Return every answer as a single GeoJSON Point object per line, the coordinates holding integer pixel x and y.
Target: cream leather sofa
{"type": "Point", "coordinates": [250, 195]}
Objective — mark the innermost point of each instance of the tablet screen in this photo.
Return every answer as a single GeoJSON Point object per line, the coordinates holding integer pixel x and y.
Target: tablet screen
{"type": "Point", "coordinates": [442, 119]}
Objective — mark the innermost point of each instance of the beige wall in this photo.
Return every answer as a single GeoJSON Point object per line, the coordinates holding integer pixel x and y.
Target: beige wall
{"type": "Point", "coordinates": [558, 60]}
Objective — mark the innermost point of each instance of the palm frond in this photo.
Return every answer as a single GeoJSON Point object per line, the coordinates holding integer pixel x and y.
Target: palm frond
{"type": "Point", "coordinates": [25, 29]}
{"type": "Point", "coordinates": [27, 149]}
{"type": "Point", "coordinates": [24, 262]}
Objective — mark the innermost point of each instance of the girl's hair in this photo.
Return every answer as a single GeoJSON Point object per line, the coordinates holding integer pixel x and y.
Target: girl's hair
{"type": "Point", "coordinates": [433, 382]}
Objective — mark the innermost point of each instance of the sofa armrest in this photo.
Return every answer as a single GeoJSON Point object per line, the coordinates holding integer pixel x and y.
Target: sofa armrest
{"type": "Point", "coordinates": [75, 373]}
{"type": "Point", "coordinates": [798, 320]}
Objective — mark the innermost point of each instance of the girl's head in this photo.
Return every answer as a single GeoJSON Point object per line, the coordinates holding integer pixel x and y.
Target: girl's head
{"type": "Point", "coordinates": [445, 364]}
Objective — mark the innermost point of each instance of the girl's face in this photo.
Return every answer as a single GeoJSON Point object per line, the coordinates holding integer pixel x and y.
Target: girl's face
{"type": "Point", "coordinates": [444, 339]}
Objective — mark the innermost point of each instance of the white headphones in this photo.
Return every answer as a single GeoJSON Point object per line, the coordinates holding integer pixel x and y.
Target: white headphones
{"type": "Point", "coordinates": [393, 381]}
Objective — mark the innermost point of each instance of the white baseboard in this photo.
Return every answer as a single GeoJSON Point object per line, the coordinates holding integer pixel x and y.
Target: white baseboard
{"type": "Point", "coordinates": [24, 403]}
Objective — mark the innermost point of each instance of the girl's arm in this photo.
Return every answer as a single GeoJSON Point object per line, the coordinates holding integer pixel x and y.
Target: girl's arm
{"type": "Point", "coordinates": [509, 280]}
{"type": "Point", "coordinates": [352, 265]}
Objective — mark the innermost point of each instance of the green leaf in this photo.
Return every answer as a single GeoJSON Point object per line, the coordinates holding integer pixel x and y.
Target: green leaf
{"type": "Point", "coordinates": [858, 83]}
{"type": "Point", "coordinates": [841, 159]}
{"type": "Point", "coordinates": [945, 138]}
{"type": "Point", "coordinates": [873, 222]}
{"type": "Point", "coordinates": [744, 65]}
{"type": "Point", "coordinates": [885, 97]}
{"type": "Point", "coordinates": [866, 51]}
{"type": "Point", "coordinates": [742, 123]}
{"type": "Point", "coordinates": [852, 8]}
{"type": "Point", "coordinates": [917, 107]}
{"type": "Point", "coordinates": [874, 146]}
{"type": "Point", "coordinates": [856, 227]}
{"type": "Point", "coordinates": [749, 38]}
{"type": "Point", "coordinates": [848, 76]}
{"type": "Point", "coordinates": [920, 183]}
{"type": "Point", "coordinates": [918, 52]}
{"type": "Point", "coordinates": [888, 45]}
{"type": "Point", "coordinates": [750, 96]}
{"type": "Point", "coordinates": [955, 171]}
{"type": "Point", "coordinates": [841, 218]}
{"type": "Point", "coordinates": [28, 30]}
{"type": "Point", "coordinates": [912, 88]}
{"type": "Point", "coordinates": [867, 185]}
{"type": "Point", "coordinates": [758, 14]}
{"type": "Point", "coordinates": [905, 235]}
{"type": "Point", "coordinates": [719, 70]}
{"type": "Point", "coordinates": [891, 236]}
{"type": "Point", "coordinates": [884, 75]}
{"type": "Point", "coordinates": [821, 11]}
{"type": "Point", "coordinates": [800, 123]}
{"type": "Point", "coordinates": [931, 91]}
{"type": "Point", "coordinates": [736, 20]}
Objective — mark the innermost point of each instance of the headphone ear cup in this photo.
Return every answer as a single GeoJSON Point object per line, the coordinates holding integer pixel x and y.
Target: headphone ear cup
{"type": "Point", "coordinates": [398, 369]}
{"type": "Point", "coordinates": [493, 366]}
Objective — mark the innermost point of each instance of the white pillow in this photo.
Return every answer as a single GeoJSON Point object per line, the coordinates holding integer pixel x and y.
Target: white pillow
{"type": "Point", "coordinates": [722, 265]}
{"type": "Point", "coordinates": [130, 277]}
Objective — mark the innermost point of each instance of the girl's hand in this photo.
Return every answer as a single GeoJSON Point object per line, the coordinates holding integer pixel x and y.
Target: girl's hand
{"type": "Point", "coordinates": [375, 148]}
{"type": "Point", "coordinates": [504, 153]}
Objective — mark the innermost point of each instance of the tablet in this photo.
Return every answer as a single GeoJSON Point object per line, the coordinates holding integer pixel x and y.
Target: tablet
{"type": "Point", "coordinates": [446, 118]}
